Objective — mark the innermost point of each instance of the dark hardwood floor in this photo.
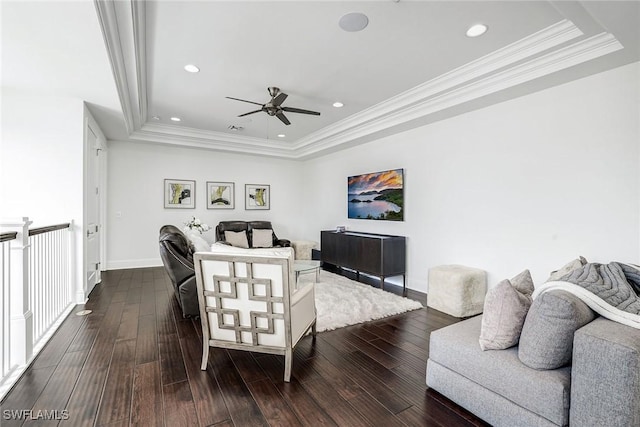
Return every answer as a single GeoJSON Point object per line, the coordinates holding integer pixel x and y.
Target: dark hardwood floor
{"type": "Point", "coordinates": [135, 361]}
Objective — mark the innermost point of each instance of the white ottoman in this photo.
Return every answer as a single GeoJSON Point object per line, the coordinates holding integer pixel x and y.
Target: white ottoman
{"type": "Point", "coordinates": [457, 290]}
{"type": "Point", "coordinates": [302, 248]}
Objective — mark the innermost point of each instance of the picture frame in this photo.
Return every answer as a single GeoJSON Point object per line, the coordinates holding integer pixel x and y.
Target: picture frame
{"type": "Point", "coordinates": [376, 196]}
{"type": "Point", "coordinates": [257, 196]}
{"type": "Point", "coordinates": [179, 194]}
{"type": "Point", "coordinates": [220, 195]}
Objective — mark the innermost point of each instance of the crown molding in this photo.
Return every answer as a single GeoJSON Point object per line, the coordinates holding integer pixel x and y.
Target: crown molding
{"type": "Point", "coordinates": [544, 39]}
{"type": "Point", "coordinates": [139, 14]}
{"type": "Point", "coordinates": [107, 17]}
{"type": "Point", "coordinates": [560, 59]}
{"type": "Point", "coordinates": [198, 138]}
{"type": "Point", "coordinates": [552, 49]}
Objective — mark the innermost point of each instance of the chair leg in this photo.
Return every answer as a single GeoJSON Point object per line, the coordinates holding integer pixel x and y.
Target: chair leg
{"type": "Point", "coordinates": [288, 361]}
{"type": "Point", "coordinates": [205, 354]}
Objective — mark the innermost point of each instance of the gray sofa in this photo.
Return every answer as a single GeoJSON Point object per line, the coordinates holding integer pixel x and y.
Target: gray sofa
{"type": "Point", "coordinates": [601, 387]}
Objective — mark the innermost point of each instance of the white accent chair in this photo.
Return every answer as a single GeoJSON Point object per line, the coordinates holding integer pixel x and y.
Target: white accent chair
{"type": "Point", "coordinates": [249, 301]}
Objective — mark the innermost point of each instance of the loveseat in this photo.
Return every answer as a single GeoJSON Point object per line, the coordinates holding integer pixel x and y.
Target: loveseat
{"type": "Point", "coordinates": [600, 386]}
{"type": "Point", "coordinates": [244, 234]}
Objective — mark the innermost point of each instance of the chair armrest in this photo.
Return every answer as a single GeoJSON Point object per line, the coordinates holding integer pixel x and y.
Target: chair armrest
{"type": "Point", "coordinates": [605, 375]}
{"type": "Point", "coordinates": [303, 311]}
{"type": "Point", "coordinates": [303, 292]}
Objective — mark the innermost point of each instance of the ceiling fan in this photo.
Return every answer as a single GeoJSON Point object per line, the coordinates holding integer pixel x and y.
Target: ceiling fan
{"type": "Point", "coordinates": [274, 106]}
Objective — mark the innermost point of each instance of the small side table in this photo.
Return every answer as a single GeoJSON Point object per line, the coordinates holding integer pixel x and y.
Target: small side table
{"type": "Point", "coordinates": [307, 266]}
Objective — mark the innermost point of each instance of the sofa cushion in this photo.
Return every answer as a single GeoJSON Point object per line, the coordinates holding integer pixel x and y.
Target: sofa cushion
{"type": "Point", "coordinates": [505, 308]}
{"type": "Point", "coordinates": [543, 392]}
{"type": "Point", "coordinates": [273, 252]}
{"type": "Point", "coordinates": [546, 341]}
{"type": "Point", "coordinates": [262, 238]}
{"type": "Point", "coordinates": [237, 238]}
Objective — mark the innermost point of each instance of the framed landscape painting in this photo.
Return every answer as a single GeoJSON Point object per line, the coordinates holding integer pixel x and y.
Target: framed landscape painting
{"type": "Point", "coordinates": [377, 195]}
{"type": "Point", "coordinates": [179, 194]}
{"type": "Point", "coordinates": [220, 195]}
{"type": "Point", "coordinates": [257, 196]}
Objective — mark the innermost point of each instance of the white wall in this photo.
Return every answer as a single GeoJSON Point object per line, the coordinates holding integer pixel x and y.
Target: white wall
{"type": "Point", "coordinates": [136, 174]}
{"type": "Point", "coordinates": [41, 163]}
{"type": "Point", "coordinates": [42, 159]}
{"type": "Point", "coordinates": [529, 183]}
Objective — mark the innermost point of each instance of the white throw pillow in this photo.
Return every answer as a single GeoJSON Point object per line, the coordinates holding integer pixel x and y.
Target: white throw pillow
{"type": "Point", "coordinates": [199, 243]}
{"type": "Point", "coordinates": [237, 238]}
{"type": "Point", "coordinates": [262, 238]}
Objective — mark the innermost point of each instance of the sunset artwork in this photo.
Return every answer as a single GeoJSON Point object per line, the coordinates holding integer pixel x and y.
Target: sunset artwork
{"type": "Point", "coordinates": [378, 195]}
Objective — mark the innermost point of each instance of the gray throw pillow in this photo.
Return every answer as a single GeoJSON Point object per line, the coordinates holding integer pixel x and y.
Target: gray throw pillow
{"type": "Point", "coordinates": [262, 238]}
{"type": "Point", "coordinates": [505, 308]}
{"type": "Point", "coordinates": [567, 268]}
{"type": "Point", "coordinates": [546, 341]}
{"type": "Point", "coordinates": [237, 238]}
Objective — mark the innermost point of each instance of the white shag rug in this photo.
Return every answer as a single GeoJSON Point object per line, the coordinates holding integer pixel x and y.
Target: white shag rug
{"type": "Point", "coordinates": [342, 302]}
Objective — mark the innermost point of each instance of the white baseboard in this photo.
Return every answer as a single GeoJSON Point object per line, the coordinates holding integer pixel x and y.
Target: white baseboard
{"type": "Point", "coordinates": [134, 263]}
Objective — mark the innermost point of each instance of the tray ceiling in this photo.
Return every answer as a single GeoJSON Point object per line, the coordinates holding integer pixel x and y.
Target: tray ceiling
{"type": "Point", "coordinates": [411, 65]}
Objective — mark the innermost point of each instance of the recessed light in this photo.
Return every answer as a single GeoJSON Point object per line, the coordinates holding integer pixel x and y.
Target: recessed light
{"type": "Point", "coordinates": [477, 30]}
{"type": "Point", "coordinates": [176, 119]}
{"type": "Point", "coordinates": [338, 104]}
{"type": "Point", "coordinates": [281, 135]}
{"type": "Point", "coordinates": [191, 68]}
{"type": "Point", "coordinates": [354, 21]}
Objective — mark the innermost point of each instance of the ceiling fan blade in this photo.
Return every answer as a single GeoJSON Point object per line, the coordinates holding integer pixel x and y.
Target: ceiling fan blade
{"type": "Point", "coordinates": [278, 100]}
{"type": "Point", "coordinates": [250, 112]}
{"type": "Point", "coordinates": [243, 100]}
{"type": "Point", "coordinates": [299, 110]}
{"type": "Point", "coordinates": [283, 119]}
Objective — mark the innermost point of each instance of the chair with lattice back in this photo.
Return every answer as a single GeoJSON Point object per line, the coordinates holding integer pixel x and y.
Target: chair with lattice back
{"type": "Point", "coordinates": [249, 301]}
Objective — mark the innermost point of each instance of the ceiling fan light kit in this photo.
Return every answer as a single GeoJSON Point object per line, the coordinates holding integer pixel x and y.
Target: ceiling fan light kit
{"type": "Point", "coordinates": [274, 106]}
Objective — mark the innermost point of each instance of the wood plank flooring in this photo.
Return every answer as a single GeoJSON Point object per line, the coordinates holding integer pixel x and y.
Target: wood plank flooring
{"type": "Point", "coordinates": [136, 361]}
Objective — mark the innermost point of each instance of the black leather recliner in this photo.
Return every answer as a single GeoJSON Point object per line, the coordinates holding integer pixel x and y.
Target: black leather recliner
{"type": "Point", "coordinates": [248, 226]}
{"type": "Point", "coordinates": [177, 256]}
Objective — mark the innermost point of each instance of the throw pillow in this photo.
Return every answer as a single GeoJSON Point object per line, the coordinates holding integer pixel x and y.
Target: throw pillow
{"type": "Point", "coordinates": [523, 283]}
{"type": "Point", "coordinates": [199, 243]}
{"type": "Point", "coordinates": [546, 341]}
{"type": "Point", "coordinates": [262, 238]}
{"type": "Point", "coordinates": [505, 308]}
{"type": "Point", "coordinates": [237, 238]}
{"type": "Point", "coordinates": [567, 268]}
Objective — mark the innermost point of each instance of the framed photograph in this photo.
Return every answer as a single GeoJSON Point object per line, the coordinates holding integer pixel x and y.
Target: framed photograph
{"type": "Point", "coordinates": [220, 195]}
{"type": "Point", "coordinates": [179, 194]}
{"type": "Point", "coordinates": [256, 196]}
{"type": "Point", "coordinates": [376, 195]}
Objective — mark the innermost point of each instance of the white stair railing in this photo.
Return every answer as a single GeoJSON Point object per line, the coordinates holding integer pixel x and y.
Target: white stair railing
{"type": "Point", "coordinates": [49, 287]}
{"type": "Point", "coordinates": [36, 294]}
{"type": "Point", "coordinates": [5, 300]}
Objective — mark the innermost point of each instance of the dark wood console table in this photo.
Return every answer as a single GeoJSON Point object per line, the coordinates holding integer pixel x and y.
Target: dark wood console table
{"type": "Point", "coordinates": [375, 254]}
